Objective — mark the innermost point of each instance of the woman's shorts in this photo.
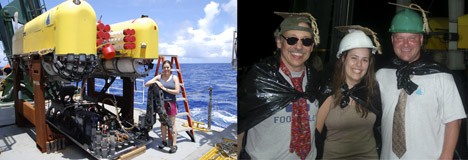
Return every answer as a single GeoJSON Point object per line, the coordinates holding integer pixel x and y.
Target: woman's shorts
{"type": "Point", "coordinates": [173, 110]}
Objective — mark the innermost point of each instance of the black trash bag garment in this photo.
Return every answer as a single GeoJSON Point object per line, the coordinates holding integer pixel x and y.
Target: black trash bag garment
{"type": "Point", "coordinates": [264, 91]}
{"type": "Point", "coordinates": [358, 93]}
{"type": "Point", "coordinates": [418, 67]}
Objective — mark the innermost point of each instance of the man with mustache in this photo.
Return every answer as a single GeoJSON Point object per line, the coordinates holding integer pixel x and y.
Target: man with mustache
{"type": "Point", "coordinates": [276, 98]}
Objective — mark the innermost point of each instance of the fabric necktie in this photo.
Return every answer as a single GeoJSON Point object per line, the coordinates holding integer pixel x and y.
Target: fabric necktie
{"type": "Point", "coordinates": [398, 131]}
{"type": "Point", "coordinates": [300, 128]}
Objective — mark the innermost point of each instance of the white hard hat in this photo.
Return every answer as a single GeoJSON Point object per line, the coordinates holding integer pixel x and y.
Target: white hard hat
{"type": "Point", "coordinates": [355, 39]}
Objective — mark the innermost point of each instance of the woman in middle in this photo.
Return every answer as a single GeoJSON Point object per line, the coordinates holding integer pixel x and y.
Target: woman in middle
{"type": "Point", "coordinates": [349, 118]}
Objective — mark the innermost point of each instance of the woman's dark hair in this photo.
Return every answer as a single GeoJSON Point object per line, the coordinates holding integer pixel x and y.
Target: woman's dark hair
{"type": "Point", "coordinates": [167, 61]}
{"type": "Point", "coordinates": [339, 79]}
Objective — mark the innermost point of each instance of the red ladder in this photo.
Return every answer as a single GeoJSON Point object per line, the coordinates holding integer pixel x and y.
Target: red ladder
{"type": "Point", "coordinates": [175, 61]}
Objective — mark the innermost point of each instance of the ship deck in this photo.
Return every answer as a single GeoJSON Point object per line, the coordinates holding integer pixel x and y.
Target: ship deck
{"type": "Point", "coordinates": [19, 142]}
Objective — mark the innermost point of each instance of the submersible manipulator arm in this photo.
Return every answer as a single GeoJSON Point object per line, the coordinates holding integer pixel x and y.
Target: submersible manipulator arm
{"type": "Point", "coordinates": [155, 105]}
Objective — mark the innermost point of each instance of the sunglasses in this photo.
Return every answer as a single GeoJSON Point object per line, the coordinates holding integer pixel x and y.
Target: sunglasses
{"type": "Point", "coordinates": [293, 40]}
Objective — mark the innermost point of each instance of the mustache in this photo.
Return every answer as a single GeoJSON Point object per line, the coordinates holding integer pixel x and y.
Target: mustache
{"type": "Point", "coordinates": [301, 51]}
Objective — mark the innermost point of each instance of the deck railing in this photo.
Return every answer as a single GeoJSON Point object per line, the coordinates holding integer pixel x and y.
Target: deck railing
{"type": "Point", "coordinates": [117, 90]}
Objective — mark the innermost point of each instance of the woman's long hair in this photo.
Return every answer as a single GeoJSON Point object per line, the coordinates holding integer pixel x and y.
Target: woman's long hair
{"type": "Point", "coordinates": [162, 66]}
{"type": "Point", "coordinates": [167, 61]}
{"type": "Point", "coordinates": [339, 79]}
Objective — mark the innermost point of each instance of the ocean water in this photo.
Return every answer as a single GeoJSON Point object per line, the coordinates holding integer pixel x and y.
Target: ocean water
{"type": "Point", "coordinates": [198, 78]}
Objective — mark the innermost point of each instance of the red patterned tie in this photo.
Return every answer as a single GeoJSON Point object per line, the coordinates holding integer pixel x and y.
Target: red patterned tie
{"type": "Point", "coordinates": [300, 129]}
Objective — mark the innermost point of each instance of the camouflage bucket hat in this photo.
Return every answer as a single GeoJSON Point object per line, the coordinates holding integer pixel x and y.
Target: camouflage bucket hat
{"type": "Point", "coordinates": [292, 20]}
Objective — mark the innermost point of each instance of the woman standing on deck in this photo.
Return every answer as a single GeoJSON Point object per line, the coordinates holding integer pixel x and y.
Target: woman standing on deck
{"type": "Point", "coordinates": [170, 85]}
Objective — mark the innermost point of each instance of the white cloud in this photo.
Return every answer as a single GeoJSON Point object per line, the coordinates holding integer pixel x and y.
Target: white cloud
{"type": "Point", "coordinates": [211, 11]}
{"type": "Point", "coordinates": [231, 7]}
{"type": "Point", "coordinates": [199, 44]}
{"type": "Point", "coordinates": [171, 49]}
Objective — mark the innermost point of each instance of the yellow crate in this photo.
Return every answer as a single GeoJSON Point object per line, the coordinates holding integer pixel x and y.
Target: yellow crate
{"type": "Point", "coordinates": [463, 31]}
{"type": "Point", "coordinates": [436, 42]}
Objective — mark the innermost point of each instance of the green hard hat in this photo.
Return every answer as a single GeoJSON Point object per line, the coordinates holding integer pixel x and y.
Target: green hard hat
{"type": "Point", "coordinates": [408, 21]}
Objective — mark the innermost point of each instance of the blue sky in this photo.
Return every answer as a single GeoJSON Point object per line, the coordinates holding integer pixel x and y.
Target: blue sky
{"type": "Point", "coordinates": [199, 31]}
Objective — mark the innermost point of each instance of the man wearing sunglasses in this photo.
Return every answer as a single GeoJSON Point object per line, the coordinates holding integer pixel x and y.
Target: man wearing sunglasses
{"type": "Point", "coordinates": [277, 97]}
